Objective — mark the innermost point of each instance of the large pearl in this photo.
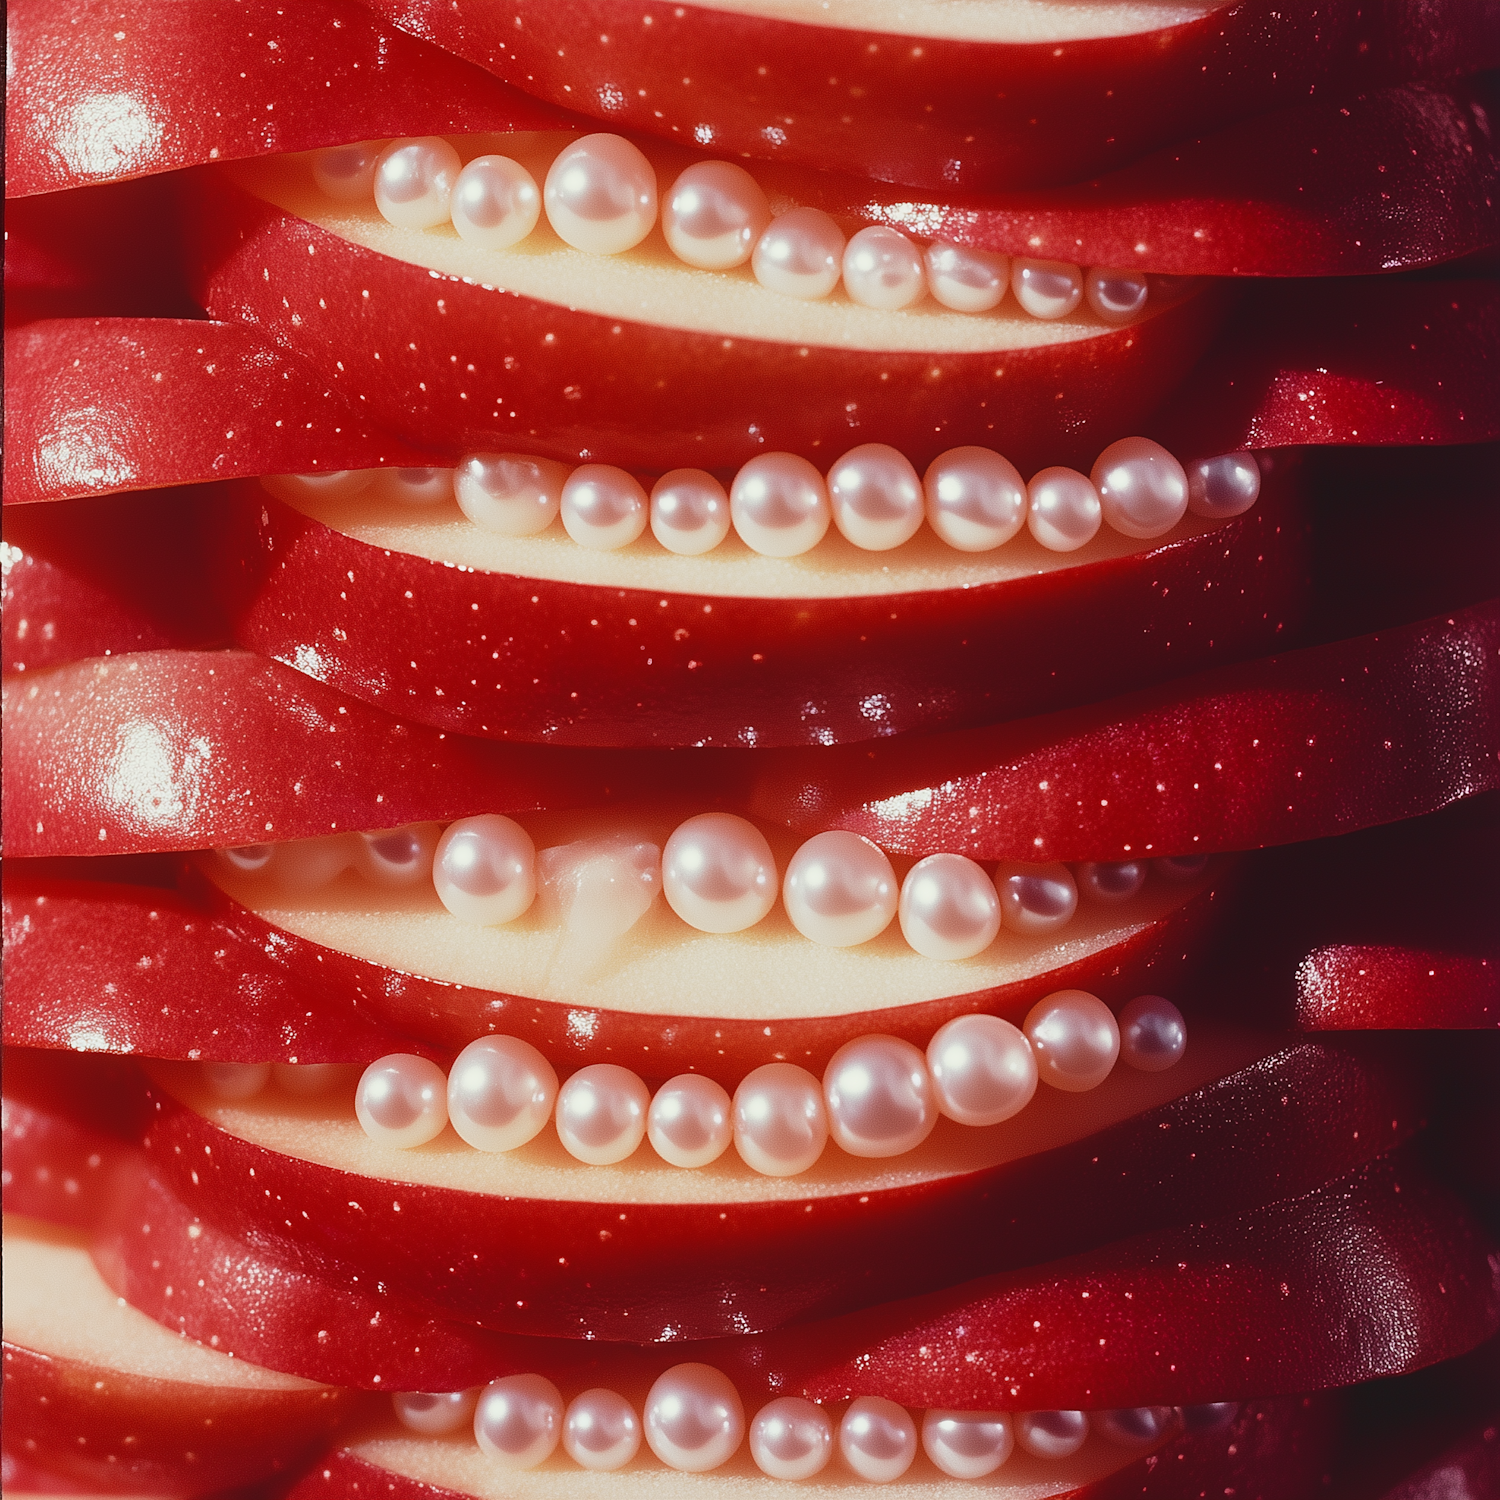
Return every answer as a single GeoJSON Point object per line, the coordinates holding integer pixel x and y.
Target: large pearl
{"type": "Point", "coordinates": [509, 493]}
{"type": "Point", "coordinates": [414, 181]}
{"type": "Point", "coordinates": [1153, 1034]}
{"type": "Point", "coordinates": [600, 195]}
{"type": "Point", "coordinates": [883, 269]}
{"type": "Point", "coordinates": [1116, 296]}
{"type": "Point", "coordinates": [1076, 1040]}
{"type": "Point", "coordinates": [1047, 288]}
{"type": "Point", "coordinates": [485, 870]}
{"type": "Point", "coordinates": [310, 864]}
{"type": "Point", "coordinates": [718, 873]}
{"type": "Point", "coordinates": [601, 1431]}
{"type": "Point", "coordinates": [433, 1413]}
{"type": "Point", "coordinates": [1143, 490]}
{"type": "Point", "coordinates": [1111, 883]}
{"type": "Point", "coordinates": [1134, 1426]}
{"type": "Point", "coordinates": [949, 907]}
{"type": "Point", "coordinates": [1224, 486]}
{"type": "Point", "coordinates": [840, 889]}
{"type": "Point", "coordinates": [689, 1121]}
{"type": "Point", "coordinates": [964, 279]}
{"type": "Point", "coordinates": [518, 1420]}
{"type": "Point", "coordinates": [601, 1114]}
{"type": "Point", "coordinates": [402, 1100]}
{"type": "Point", "coordinates": [1036, 899]}
{"type": "Point", "coordinates": [877, 1439]}
{"type": "Point", "coordinates": [1052, 1434]}
{"type": "Point", "coordinates": [500, 1093]}
{"type": "Point", "coordinates": [1064, 513]}
{"type": "Point", "coordinates": [779, 505]}
{"type": "Point", "coordinates": [695, 1419]}
{"type": "Point", "coordinates": [800, 254]}
{"type": "Point", "coordinates": [713, 216]}
{"type": "Point", "coordinates": [876, 496]}
{"type": "Point", "coordinates": [234, 1082]}
{"type": "Point", "coordinates": [780, 1120]}
{"type": "Point", "coordinates": [975, 499]}
{"type": "Point", "coordinates": [983, 1069]}
{"type": "Point", "coordinates": [495, 203]}
{"type": "Point", "coordinates": [603, 507]}
{"type": "Point", "coordinates": [967, 1444]}
{"type": "Point", "coordinates": [689, 512]}
{"type": "Point", "coordinates": [879, 1097]}
{"type": "Point", "coordinates": [399, 858]}
{"type": "Point", "coordinates": [347, 173]}
{"type": "Point", "coordinates": [791, 1438]}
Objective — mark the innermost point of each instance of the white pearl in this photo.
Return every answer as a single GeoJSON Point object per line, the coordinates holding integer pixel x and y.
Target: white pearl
{"type": "Point", "coordinates": [800, 254]}
{"type": "Point", "coordinates": [601, 1114]}
{"type": "Point", "coordinates": [967, 1444]}
{"type": "Point", "coordinates": [975, 498]}
{"type": "Point", "coordinates": [1224, 486]}
{"type": "Point", "coordinates": [877, 1439]}
{"type": "Point", "coordinates": [1209, 1416]}
{"type": "Point", "coordinates": [347, 173]}
{"type": "Point", "coordinates": [1064, 513]}
{"type": "Point", "coordinates": [414, 182]}
{"type": "Point", "coordinates": [883, 269]}
{"type": "Point", "coordinates": [484, 870]}
{"type": "Point", "coordinates": [518, 1420]}
{"type": "Point", "coordinates": [433, 1413]}
{"type": "Point", "coordinates": [417, 488]}
{"type": "Point", "coordinates": [399, 857]}
{"type": "Point", "coordinates": [1111, 883]}
{"type": "Point", "coordinates": [1181, 867]}
{"type": "Point", "coordinates": [601, 1431]}
{"type": "Point", "coordinates": [1036, 899]}
{"type": "Point", "coordinates": [495, 203]}
{"type": "Point", "coordinates": [1047, 288]}
{"type": "Point", "coordinates": [511, 494]}
{"type": "Point", "coordinates": [248, 859]}
{"type": "Point", "coordinates": [840, 889]}
{"type": "Point", "coordinates": [402, 1100]}
{"type": "Point", "coordinates": [688, 1121]}
{"type": "Point", "coordinates": [779, 505]}
{"type": "Point", "coordinates": [689, 512]}
{"type": "Point", "coordinates": [949, 907]}
{"type": "Point", "coordinates": [983, 1069]}
{"type": "Point", "coordinates": [500, 1093]}
{"type": "Point", "coordinates": [1116, 296]}
{"type": "Point", "coordinates": [603, 507]}
{"type": "Point", "coordinates": [713, 216]}
{"type": "Point", "coordinates": [1143, 490]}
{"type": "Point", "coordinates": [335, 484]}
{"type": "Point", "coordinates": [1134, 1426]}
{"type": "Point", "coordinates": [965, 279]}
{"type": "Point", "coordinates": [879, 1097]}
{"type": "Point", "coordinates": [234, 1081]}
{"type": "Point", "coordinates": [780, 1121]}
{"type": "Point", "coordinates": [1052, 1434]}
{"type": "Point", "coordinates": [876, 497]}
{"type": "Point", "coordinates": [601, 195]}
{"type": "Point", "coordinates": [695, 1419]}
{"type": "Point", "coordinates": [1076, 1040]}
{"type": "Point", "coordinates": [311, 1080]}
{"type": "Point", "coordinates": [1153, 1034]}
{"type": "Point", "coordinates": [718, 873]}
{"type": "Point", "coordinates": [791, 1438]}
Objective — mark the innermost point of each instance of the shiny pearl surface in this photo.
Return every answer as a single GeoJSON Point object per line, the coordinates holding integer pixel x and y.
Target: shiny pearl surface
{"type": "Point", "coordinates": [1180, 867]}
{"type": "Point", "coordinates": [983, 1069]}
{"type": "Point", "coordinates": [234, 1081]}
{"type": "Point", "coordinates": [1035, 899]}
{"type": "Point", "coordinates": [418, 488]}
{"type": "Point", "coordinates": [1142, 488]}
{"type": "Point", "coordinates": [1076, 1040]}
{"type": "Point", "coordinates": [1224, 486]}
{"type": "Point", "coordinates": [964, 279]}
{"type": "Point", "coordinates": [310, 864]}
{"type": "Point", "coordinates": [779, 505]}
{"type": "Point", "coordinates": [883, 269]}
{"type": "Point", "coordinates": [689, 1121]}
{"type": "Point", "coordinates": [780, 1120]}
{"type": "Point", "coordinates": [876, 497]}
{"type": "Point", "coordinates": [877, 1439]}
{"type": "Point", "coordinates": [312, 1080]}
{"type": "Point", "coordinates": [1153, 1034]}
{"type": "Point", "coordinates": [414, 182]}
{"type": "Point", "coordinates": [718, 873]}
{"type": "Point", "coordinates": [484, 870]}
{"type": "Point", "coordinates": [347, 173]}
{"type": "Point", "coordinates": [967, 1444]}
{"type": "Point", "coordinates": [495, 203]}
{"type": "Point", "coordinates": [1111, 883]}
{"type": "Point", "coordinates": [1134, 1426]}
{"type": "Point", "coordinates": [840, 889]}
{"type": "Point", "coordinates": [1063, 511]}
{"type": "Point", "coordinates": [500, 1093]}
{"type": "Point", "coordinates": [511, 494]}
{"type": "Point", "coordinates": [949, 908]}
{"type": "Point", "coordinates": [604, 507]}
{"type": "Point", "coordinates": [601, 1114]}
{"type": "Point", "coordinates": [601, 1431]}
{"type": "Point", "coordinates": [713, 215]}
{"type": "Point", "coordinates": [1051, 1434]}
{"type": "Point", "coordinates": [1047, 288]}
{"type": "Point", "coordinates": [433, 1413]}
{"type": "Point", "coordinates": [398, 858]}
{"type": "Point", "coordinates": [402, 1100]}
{"type": "Point", "coordinates": [791, 1438]}
{"type": "Point", "coordinates": [1116, 296]}
{"type": "Point", "coordinates": [800, 254]}
{"type": "Point", "coordinates": [879, 1097]}
{"type": "Point", "coordinates": [518, 1420]}
{"type": "Point", "coordinates": [600, 195]}
{"type": "Point", "coordinates": [695, 1420]}
{"type": "Point", "coordinates": [975, 498]}
{"type": "Point", "coordinates": [689, 512]}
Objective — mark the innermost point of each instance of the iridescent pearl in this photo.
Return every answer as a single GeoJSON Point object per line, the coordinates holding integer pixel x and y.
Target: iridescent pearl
{"type": "Point", "coordinates": [414, 181]}
{"type": "Point", "coordinates": [398, 858]}
{"type": "Point", "coordinates": [1224, 486]}
{"type": "Point", "coordinates": [1076, 1040]}
{"type": "Point", "coordinates": [877, 1439]}
{"type": "Point", "coordinates": [1111, 883]}
{"type": "Point", "coordinates": [713, 216]}
{"type": "Point", "coordinates": [689, 512]}
{"type": "Point", "coordinates": [500, 1093]}
{"type": "Point", "coordinates": [689, 1121]}
{"type": "Point", "coordinates": [975, 499]}
{"type": "Point", "coordinates": [1142, 489]}
{"type": "Point", "coordinates": [800, 254]}
{"type": "Point", "coordinates": [418, 488]}
{"type": "Point", "coordinates": [603, 507]}
{"type": "Point", "coordinates": [248, 859]}
{"type": "Point", "coordinates": [433, 1413]}
{"type": "Point", "coordinates": [1036, 899]}
{"type": "Point", "coordinates": [883, 269]}
{"type": "Point", "coordinates": [600, 195]}
{"type": "Point", "coordinates": [1116, 296]}
{"type": "Point", "coordinates": [484, 870]}
{"type": "Point", "coordinates": [312, 1080]}
{"type": "Point", "coordinates": [967, 1444]}
{"type": "Point", "coordinates": [495, 203]}
{"type": "Point", "coordinates": [780, 1122]}
{"type": "Point", "coordinates": [876, 496]}
{"type": "Point", "coordinates": [1153, 1034]}
{"type": "Point", "coordinates": [983, 1069]}
{"type": "Point", "coordinates": [1052, 1434]}
{"type": "Point", "coordinates": [879, 1097]}
{"type": "Point", "coordinates": [840, 889]}
{"type": "Point", "coordinates": [791, 1438]}
{"type": "Point", "coordinates": [310, 864]}
{"type": "Point", "coordinates": [949, 907]}
{"type": "Point", "coordinates": [695, 1419]}
{"type": "Point", "coordinates": [601, 1431]}
{"type": "Point", "coordinates": [518, 1420]}
{"type": "Point", "coordinates": [1047, 288]}
{"type": "Point", "coordinates": [966, 280]}
{"type": "Point", "coordinates": [1134, 1426]}
{"type": "Point", "coordinates": [402, 1100]}
{"type": "Point", "coordinates": [234, 1081]}
{"type": "Point", "coordinates": [718, 873]}
{"type": "Point", "coordinates": [1180, 867]}
{"type": "Point", "coordinates": [347, 173]}
{"type": "Point", "coordinates": [601, 1114]}
{"type": "Point", "coordinates": [1064, 513]}
{"type": "Point", "coordinates": [1210, 1416]}
{"type": "Point", "coordinates": [511, 494]}
{"type": "Point", "coordinates": [779, 505]}
{"type": "Point", "coordinates": [336, 484]}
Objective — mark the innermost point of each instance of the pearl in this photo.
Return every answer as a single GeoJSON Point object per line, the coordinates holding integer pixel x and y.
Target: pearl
{"type": "Point", "coordinates": [1076, 1040]}
{"type": "Point", "coordinates": [335, 484]}
{"type": "Point", "coordinates": [695, 1420]}
{"type": "Point", "coordinates": [964, 279]}
{"type": "Point", "coordinates": [509, 493]}
{"type": "Point", "coordinates": [347, 173]}
{"type": "Point", "coordinates": [310, 1080]}
{"type": "Point", "coordinates": [495, 203]}
{"type": "Point", "coordinates": [1134, 1426]}
{"type": "Point", "coordinates": [601, 195]}
{"type": "Point", "coordinates": [879, 1097]}
{"type": "Point", "coordinates": [1181, 867]}
{"type": "Point", "coordinates": [949, 908]}
{"type": "Point", "coordinates": [248, 859]}
{"type": "Point", "coordinates": [779, 505]}
{"type": "Point", "coordinates": [975, 499]}
{"type": "Point", "coordinates": [983, 1069]}
{"type": "Point", "coordinates": [310, 864]}
{"type": "Point", "coordinates": [1064, 511]}
{"type": "Point", "coordinates": [800, 254]}
{"type": "Point", "coordinates": [883, 269]}
{"type": "Point", "coordinates": [840, 889]}
{"type": "Point", "coordinates": [234, 1082]}
{"type": "Point", "coordinates": [1143, 490]}
{"type": "Point", "coordinates": [714, 215]}
{"type": "Point", "coordinates": [1211, 1416]}
{"type": "Point", "coordinates": [415, 487]}
{"type": "Point", "coordinates": [876, 497]}
{"type": "Point", "coordinates": [601, 1431]}
{"type": "Point", "coordinates": [967, 1444]}
{"type": "Point", "coordinates": [1111, 883]}
{"type": "Point", "coordinates": [484, 870]}
{"type": "Point", "coordinates": [433, 1413]}
{"type": "Point", "coordinates": [414, 182]}
{"type": "Point", "coordinates": [1036, 899]}
{"type": "Point", "coordinates": [780, 1122]}
{"type": "Point", "coordinates": [518, 1420]}
{"type": "Point", "coordinates": [402, 1100]}
{"type": "Point", "coordinates": [688, 1121]}
{"type": "Point", "coordinates": [1052, 1434]}
{"type": "Point", "coordinates": [1116, 296]}
{"type": "Point", "coordinates": [1047, 288]}
{"type": "Point", "coordinates": [601, 1114]}
{"type": "Point", "coordinates": [500, 1093]}
{"type": "Point", "coordinates": [1224, 486]}
{"type": "Point", "coordinates": [877, 1439]}
{"type": "Point", "coordinates": [791, 1438]}
{"type": "Point", "coordinates": [1153, 1034]}
{"type": "Point", "coordinates": [718, 873]}
{"type": "Point", "coordinates": [689, 512]}
{"type": "Point", "coordinates": [399, 857]}
{"type": "Point", "coordinates": [603, 507]}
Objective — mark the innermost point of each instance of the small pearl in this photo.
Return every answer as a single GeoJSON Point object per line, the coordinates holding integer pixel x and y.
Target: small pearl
{"type": "Point", "coordinates": [791, 1438]}
{"type": "Point", "coordinates": [1047, 288]}
{"type": "Point", "coordinates": [1111, 883]}
{"type": "Point", "coordinates": [1181, 867]}
{"type": "Point", "coordinates": [879, 1097]}
{"type": "Point", "coordinates": [311, 1080]}
{"type": "Point", "coordinates": [347, 173]}
{"type": "Point", "coordinates": [1153, 1035]}
{"type": "Point", "coordinates": [949, 907]}
{"type": "Point", "coordinates": [601, 1114]}
{"type": "Point", "coordinates": [779, 505]}
{"type": "Point", "coordinates": [1064, 511]}
{"type": "Point", "coordinates": [336, 484]}
{"type": "Point", "coordinates": [234, 1082]}
{"type": "Point", "coordinates": [964, 279]}
{"type": "Point", "coordinates": [877, 1439]}
{"type": "Point", "coordinates": [983, 1069]}
{"type": "Point", "coordinates": [601, 1431]}
{"type": "Point", "coordinates": [601, 195]}
{"type": "Point", "coordinates": [689, 512]}
{"type": "Point", "coordinates": [500, 1093]}
{"type": "Point", "coordinates": [1052, 1434]}
{"type": "Point", "coordinates": [484, 870]}
{"type": "Point", "coordinates": [967, 1444]}
{"type": "Point", "coordinates": [311, 864]}
{"type": "Point", "coordinates": [1076, 1040]}
{"type": "Point", "coordinates": [418, 488]}
{"type": "Point", "coordinates": [414, 182]}
{"type": "Point", "coordinates": [433, 1413]}
{"type": "Point", "coordinates": [975, 499]}
{"type": "Point", "coordinates": [1210, 1416]}
{"type": "Point", "coordinates": [1134, 1426]}
{"type": "Point", "coordinates": [509, 493]}
{"type": "Point", "coordinates": [603, 507]}
{"type": "Point", "coordinates": [402, 1100]}
{"type": "Point", "coordinates": [883, 269]}
{"type": "Point", "coordinates": [1143, 490]}
{"type": "Point", "coordinates": [713, 216]}
{"type": "Point", "coordinates": [518, 1420]}
{"type": "Point", "coordinates": [1116, 296]}
{"type": "Point", "coordinates": [876, 496]}
{"type": "Point", "coordinates": [780, 1122]}
{"type": "Point", "coordinates": [718, 873]}
{"type": "Point", "coordinates": [398, 858]}
{"type": "Point", "coordinates": [800, 254]}
{"type": "Point", "coordinates": [1036, 899]}
{"type": "Point", "coordinates": [688, 1121]}
{"type": "Point", "coordinates": [1224, 486]}
{"type": "Point", "coordinates": [695, 1419]}
{"type": "Point", "coordinates": [840, 889]}
{"type": "Point", "coordinates": [495, 203]}
{"type": "Point", "coordinates": [248, 859]}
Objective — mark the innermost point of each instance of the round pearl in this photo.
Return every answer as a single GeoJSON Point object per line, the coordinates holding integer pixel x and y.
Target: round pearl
{"type": "Point", "coordinates": [601, 1431]}
{"type": "Point", "coordinates": [347, 173]}
{"type": "Point", "coordinates": [310, 1080]}
{"type": "Point", "coordinates": [1111, 883]}
{"type": "Point", "coordinates": [718, 873]}
{"type": "Point", "coordinates": [500, 1093]}
{"type": "Point", "coordinates": [234, 1082]}
{"type": "Point", "coordinates": [495, 203]}
{"type": "Point", "coordinates": [780, 1122]}
{"type": "Point", "coordinates": [877, 1439]}
{"type": "Point", "coordinates": [336, 484]}
{"type": "Point", "coordinates": [433, 1413]}
{"type": "Point", "coordinates": [601, 195]}
{"type": "Point", "coordinates": [310, 864]}
{"type": "Point", "coordinates": [949, 908]}
{"type": "Point", "coordinates": [876, 496]}
{"type": "Point", "coordinates": [1224, 486]}
{"type": "Point", "coordinates": [975, 499]}
{"type": "Point", "coordinates": [414, 182]}
{"type": "Point", "coordinates": [1052, 1434]}
{"type": "Point", "coordinates": [1047, 288]}
{"type": "Point", "coordinates": [1210, 1416]}
{"type": "Point", "coordinates": [509, 493]}
{"type": "Point", "coordinates": [418, 488]}
{"type": "Point", "coordinates": [967, 1444]}
{"type": "Point", "coordinates": [689, 512]}
{"type": "Point", "coordinates": [248, 859]}
{"type": "Point", "coordinates": [840, 889]}
{"type": "Point", "coordinates": [966, 280]}
{"type": "Point", "coordinates": [879, 1097]}
{"type": "Point", "coordinates": [1064, 511]}
{"type": "Point", "coordinates": [1116, 296]}
{"type": "Point", "coordinates": [601, 1114]}
{"type": "Point", "coordinates": [791, 1439]}
{"type": "Point", "coordinates": [399, 857]}
{"type": "Point", "coordinates": [713, 216]}
{"type": "Point", "coordinates": [800, 254]}
{"type": "Point", "coordinates": [1143, 490]}
{"type": "Point", "coordinates": [1181, 867]}
{"type": "Point", "coordinates": [1036, 899]}
{"type": "Point", "coordinates": [883, 269]}
{"type": "Point", "coordinates": [1153, 1035]}
{"type": "Point", "coordinates": [688, 1121]}
{"type": "Point", "coordinates": [1076, 1040]}
{"type": "Point", "coordinates": [695, 1420]}
{"type": "Point", "coordinates": [779, 505]}
{"type": "Point", "coordinates": [518, 1420]}
{"type": "Point", "coordinates": [1134, 1426]}
{"type": "Point", "coordinates": [484, 870]}
{"type": "Point", "coordinates": [983, 1069]}
{"type": "Point", "coordinates": [603, 507]}
{"type": "Point", "coordinates": [402, 1100]}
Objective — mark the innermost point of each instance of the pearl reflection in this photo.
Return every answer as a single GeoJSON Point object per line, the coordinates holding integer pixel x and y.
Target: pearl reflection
{"type": "Point", "coordinates": [791, 1438]}
{"type": "Point", "coordinates": [695, 1420]}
